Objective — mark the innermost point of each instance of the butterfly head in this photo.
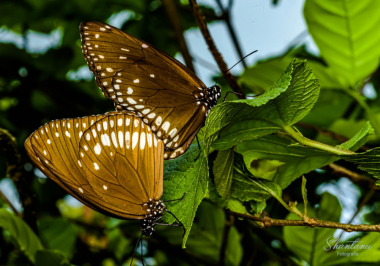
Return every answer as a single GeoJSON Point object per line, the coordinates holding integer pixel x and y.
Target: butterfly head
{"type": "Point", "coordinates": [213, 95]}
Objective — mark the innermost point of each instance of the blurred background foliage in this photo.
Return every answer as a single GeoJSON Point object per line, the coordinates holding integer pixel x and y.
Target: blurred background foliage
{"type": "Point", "coordinates": [43, 76]}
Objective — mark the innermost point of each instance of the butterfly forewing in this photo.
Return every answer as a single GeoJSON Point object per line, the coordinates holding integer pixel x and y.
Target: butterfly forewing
{"type": "Point", "coordinates": [54, 149]}
{"type": "Point", "coordinates": [140, 78]}
{"type": "Point", "coordinates": [123, 161]}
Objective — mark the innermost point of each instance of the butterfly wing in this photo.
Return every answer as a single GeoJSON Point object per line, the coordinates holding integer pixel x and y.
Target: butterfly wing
{"type": "Point", "coordinates": [54, 149]}
{"type": "Point", "coordinates": [140, 78]}
{"type": "Point", "coordinates": [123, 161]}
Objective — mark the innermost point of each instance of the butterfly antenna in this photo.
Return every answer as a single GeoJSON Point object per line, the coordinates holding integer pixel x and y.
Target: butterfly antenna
{"type": "Point", "coordinates": [184, 229]}
{"type": "Point", "coordinates": [137, 244]}
{"type": "Point", "coordinates": [236, 64]}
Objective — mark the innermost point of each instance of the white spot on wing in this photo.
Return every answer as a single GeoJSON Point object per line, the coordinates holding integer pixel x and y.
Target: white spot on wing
{"type": "Point", "coordinates": [149, 138]}
{"type": "Point", "coordinates": [105, 187]}
{"type": "Point", "coordinates": [130, 91]}
{"type": "Point", "coordinates": [127, 121]}
{"type": "Point", "coordinates": [158, 121]}
{"type": "Point", "coordinates": [135, 139]}
{"type": "Point", "coordinates": [136, 122]}
{"type": "Point", "coordinates": [97, 149]}
{"type": "Point", "coordinates": [152, 115]}
{"type": "Point", "coordinates": [121, 138]}
{"type": "Point", "coordinates": [165, 126]}
{"type": "Point", "coordinates": [127, 139]}
{"type": "Point", "coordinates": [144, 45]}
{"type": "Point", "coordinates": [136, 81]}
{"type": "Point", "coordinates": [114, 141]}
{"type": "Point", "coordinates": [96, 166]}
{"type": "Point", "coordinates": [131, 101]}
{"type": "Point", "coordinates": [142, 140]}
{"type": "Point", "coordinates": [172, 132]}
{"type": "Point", "coordinates": [120, 122]}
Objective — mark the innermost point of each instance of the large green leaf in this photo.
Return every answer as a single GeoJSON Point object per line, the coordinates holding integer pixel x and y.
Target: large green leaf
{"type": "Point", "coordinates": [347, 35]}
{"type": "Point", "coordinates": [206, 238]}
{"type": "Point", "coordinates": [223, 169]}
{"type": "Point", "coordinates": [183, 175]}
{"type": "Point", "coordinates": [26, 240]}
{"type": "Point", "coordinates": [59, 234]}
{"type": "Point", "coordinates": [288, 101]}
{"type": "Point", "coordinates": [368, 161]}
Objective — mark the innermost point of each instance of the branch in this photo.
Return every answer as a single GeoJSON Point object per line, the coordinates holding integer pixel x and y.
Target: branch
{"type": "Point", "coordinates": [211, 46]}
{"type": "Point", "coordinates": [312, 222]}
{"type": "Point", "coordinates": [174, 18]}
{"type": "Point", "coordinates": [21, 178]}
{"type": "Point", "coordinates": [9, 203]}
{"type": "Point", "coordinates": [354, 177]}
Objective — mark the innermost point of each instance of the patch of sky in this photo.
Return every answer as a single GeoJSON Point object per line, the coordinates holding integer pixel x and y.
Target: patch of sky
{"type": "Point", "coordinates": [72, 202]}
{"type": "Point", "coordinates": [118, 19]}
{"type": "Point", "coordinates": [348, 195]}
{"type": "Point", "coordinates": [9, 190]}
{"type": "Point", "coordinates": [34, 42]}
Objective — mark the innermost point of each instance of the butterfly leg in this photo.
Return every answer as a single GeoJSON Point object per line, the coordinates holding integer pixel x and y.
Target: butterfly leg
{"type": "Point", "coordinates": [134, 251]}
{"type": "Point", "coordinates": [199, 149]}
{"type": "Point", "coordinates": [228, 92]}
{"type": "Point", "coordinates": [184, 230]}
{"type": "Point", "coordinates": [176, 199]}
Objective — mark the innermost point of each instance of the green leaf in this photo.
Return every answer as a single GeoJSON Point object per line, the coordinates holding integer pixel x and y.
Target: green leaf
{"type": "Point", "coordinates": [347, 35]}
{"type": "Point", "coordinates": [246, 187]}
{"type": "Point", "coordinates": [59, 234]}
{"type": "Point", "coordinates": [51, 258]}
{"type": "Point", "coordinates": [297, 160]}
{"type": "Point", "coordinates": [206, 237]}
{"type": "Point", "coordinates": [258, 206]}
{"type": "Point", "coordinates": [241, 131]}
{"type": "Point", "coordinates": [288, 101]}
{"type": "Point", "coordinates": [223, 169]}
{"type": "Point", "coordinates": [368, 161]}
{"type": "Point", "coordinates": [230, 204]}
{"type": "Point", "coordinates": [304, 195]}
{"type": "Point", "coordinates": [183, 175]}
{"type": "Point", "coordinates": [308, 243]}
{"type": "Point", "coordinates": [26, 240]}
{"type": "Point", "coordinates": [359, 139]}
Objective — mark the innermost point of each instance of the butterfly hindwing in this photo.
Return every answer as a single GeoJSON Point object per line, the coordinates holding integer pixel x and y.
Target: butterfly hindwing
{"type": "Point", "coordinates": [123, 160]}
{"type": "Point", "coordinates": [140, 78]}
{"type": "Point", "coordinates": [54, 149]}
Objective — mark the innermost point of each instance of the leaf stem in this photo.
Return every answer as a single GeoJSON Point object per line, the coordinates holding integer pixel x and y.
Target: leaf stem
{"type": "Point", "coordinates": [311, 143]}
{"type": "Point", "coordinates": [360, 99]}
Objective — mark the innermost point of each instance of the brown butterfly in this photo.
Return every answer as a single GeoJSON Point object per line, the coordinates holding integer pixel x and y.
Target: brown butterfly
{"type": "Point", "coordinates": [140, 78]}
{"type": "Point", "coordinates": [112, 163]}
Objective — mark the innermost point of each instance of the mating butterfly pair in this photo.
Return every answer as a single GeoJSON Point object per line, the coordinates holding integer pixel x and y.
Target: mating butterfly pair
{"type": "Point", "coordinates": [113, 163]}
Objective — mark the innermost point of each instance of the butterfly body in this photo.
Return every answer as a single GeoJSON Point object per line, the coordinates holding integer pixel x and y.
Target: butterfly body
{"type": "Point", "coordinates": [142, 79]}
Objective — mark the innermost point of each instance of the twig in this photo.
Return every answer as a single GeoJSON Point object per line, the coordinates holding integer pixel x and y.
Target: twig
{"type": "Point", "coordinates": [211, 46]}
{"type": "Point", "coordinates": [312, 222]}
{"type": "Point", "coordinates": [172, 11]}
{"type": "Point", "coordinates": [226, 16]}
{"type": "Point", "coordinates": [21, 178]}
{"type": "Point", "coordinates": [226, 231]}
{"type": "Point", "coordinates": [9, 203]}
{"type": "Point", "coordinates": [328, 133]}
{"type": "Point", "coordinates": [354, 177]}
